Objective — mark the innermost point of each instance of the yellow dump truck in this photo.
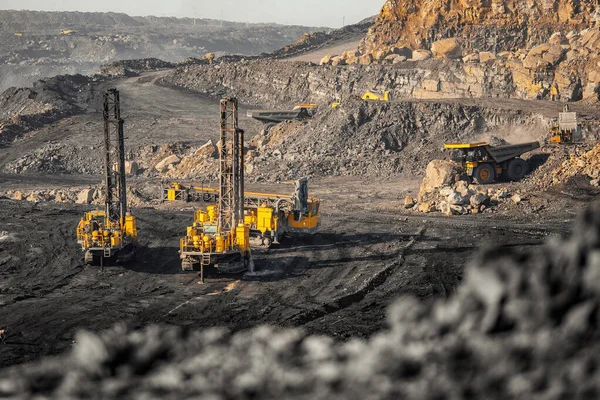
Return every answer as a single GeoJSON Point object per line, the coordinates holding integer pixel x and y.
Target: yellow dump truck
{"type": "Point", "coordinates": [486, 163]}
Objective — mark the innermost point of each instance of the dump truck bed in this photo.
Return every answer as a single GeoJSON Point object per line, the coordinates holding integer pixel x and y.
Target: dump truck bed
{"type": "Point", "coordinates": [504, 153]}
{"type": "Point", "coordinates": [278, 115]}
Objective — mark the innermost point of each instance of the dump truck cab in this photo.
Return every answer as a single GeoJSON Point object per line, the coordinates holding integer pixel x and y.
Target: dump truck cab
{"type": "Point", "coordinates": [487, 163]}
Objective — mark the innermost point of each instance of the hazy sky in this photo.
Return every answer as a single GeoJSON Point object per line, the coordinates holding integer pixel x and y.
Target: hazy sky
{"type": "Point", "coordinates": [298, 12]}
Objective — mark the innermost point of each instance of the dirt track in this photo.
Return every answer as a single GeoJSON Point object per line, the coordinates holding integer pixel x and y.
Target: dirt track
{"type": "Point", "coordinates": [316, 56]}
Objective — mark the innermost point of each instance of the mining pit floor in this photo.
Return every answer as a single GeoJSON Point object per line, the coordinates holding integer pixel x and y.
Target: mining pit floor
{"type": "Point", "coordinates": [338, 281]}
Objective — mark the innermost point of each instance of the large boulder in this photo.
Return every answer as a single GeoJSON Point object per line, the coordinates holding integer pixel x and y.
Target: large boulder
{"type": "Point", "coordinates": [326, 60]}
{"type": "Point", "coordinates": [446, 48]}
{"type": "Point", "coordinates": [366, 59]}
{"type": "Point", "coordinates": [206, 150]}
{"type": "Point", "coordinates": [338, 60]}
{"type": "Point", "coordinates": [18, 195]}
{"type": "Point", "coordinates": [591, 39]}
{"type": "Point", "coordinates": [131, 168]}
{"type": "Point", "coordinates": [485, 56]}
{"type": "Point", "coordinates": [542, 55]}
{"type": "Point", "coordinates": [165, 163]}
{"type": "Point", "coordinates": [456, 198]}
{"type": "Point", "coordinates": [439, 173]}
{"type": "Point", "coordinates": [479, 199]}
{"type": "Point", "coordinates": [86, 196]}
{"type": "Point", "coordinates": [420, 55]}
{"type": "Point", "coordinates": [351, 56]}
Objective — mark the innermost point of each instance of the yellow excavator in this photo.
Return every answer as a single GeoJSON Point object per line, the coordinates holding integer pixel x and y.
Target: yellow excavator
{"type": "Point", "coordinates": [374, 96]}
{"type": "Point", "coordinates": [219, 236]}
{"type": "Point", "coordinates": [110, 234]}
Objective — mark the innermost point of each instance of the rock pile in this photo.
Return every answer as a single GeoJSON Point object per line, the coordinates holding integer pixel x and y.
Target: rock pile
{"type": "Point", "coordinates": [523, 325]}
{"type": "Point", "coordinates": [90, 195]}
{"type": "Point", "coordinates": [69, 196]}
{"type": "Point", "coordinates": [134, 67]}
{"type": "Point", "coordinates": [445, 188]}
{"type": "Point", "coordinates": [587, 165]}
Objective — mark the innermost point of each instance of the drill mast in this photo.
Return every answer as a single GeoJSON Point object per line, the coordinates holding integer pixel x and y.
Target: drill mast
{"type": "Point", "coordinates": [114, 162]}
{"type": "Point", "coordinates": [231, 168]}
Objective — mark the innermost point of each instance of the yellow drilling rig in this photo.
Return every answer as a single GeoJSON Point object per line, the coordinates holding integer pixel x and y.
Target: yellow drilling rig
{"type": "Point", "coordinates": [219, 236]}
{"type": "Point", "coordinates": [270, 216]}
{"type": "Point", "coordinates": [110, 234]}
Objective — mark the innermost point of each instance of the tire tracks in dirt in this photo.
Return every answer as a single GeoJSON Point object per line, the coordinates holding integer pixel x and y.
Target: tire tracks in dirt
{"type": "Point", "coordinates": [368, 286]}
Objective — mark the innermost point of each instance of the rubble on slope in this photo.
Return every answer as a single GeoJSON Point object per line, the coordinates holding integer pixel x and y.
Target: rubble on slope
{"type": "Point", "coordinates": [136, 197]}
{"type": "Point", "coordinates": [134, 67]}
{"type": "Point", "coordinates": [447, 189]}
{"type": "Point", "coordinates": [522, 325]}
{"type": "Point", "coordinates": [587, 165]}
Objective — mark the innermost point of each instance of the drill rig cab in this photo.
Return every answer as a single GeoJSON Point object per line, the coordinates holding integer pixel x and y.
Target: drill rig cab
{"type": "Point", "coordinates": [219, 236]}
{"type": "Point", "coordinates": [110, 234]}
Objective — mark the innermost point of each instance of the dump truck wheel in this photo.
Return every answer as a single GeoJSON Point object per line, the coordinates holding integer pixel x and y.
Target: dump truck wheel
{"type": "Point", "coordinates": [485, 173]}
{"type": "Point", "coordinates": [517, 169]}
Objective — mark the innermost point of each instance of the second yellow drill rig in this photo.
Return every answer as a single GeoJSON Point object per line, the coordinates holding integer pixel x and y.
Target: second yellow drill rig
{"type": "Point", "coordinates": [110, 234]}
{"type": "Point", "coordinates": [220, 237]}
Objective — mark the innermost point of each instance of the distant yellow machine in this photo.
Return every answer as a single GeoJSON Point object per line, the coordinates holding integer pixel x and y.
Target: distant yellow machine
{"type": "Point", "coordinates": [18, 34]}
{"type": "Point", "coordinates": [566, 129]}
{"type": "Point", "coordinates": [374, 96]}
{"type": "Point", "coordinates": [67, 31]}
